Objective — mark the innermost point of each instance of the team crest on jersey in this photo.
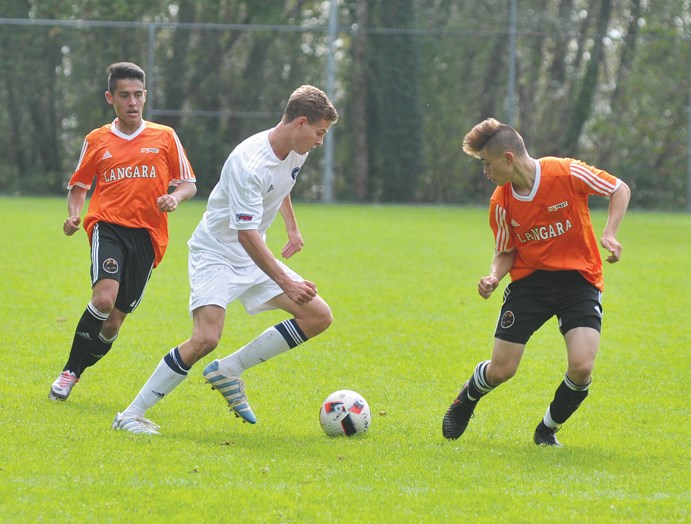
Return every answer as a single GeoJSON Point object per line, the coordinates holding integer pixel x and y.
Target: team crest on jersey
{"type": "Point", "coordinates": [150, 150]}
{"type": "Point", "coordinates": [110, 265]}
{"type": "Point", "coordinates": [243, 217]}
{"type": "Point", "coordinates": [295, 172]}
{"type": "Point", "coordinates": [555, 207]}
{"type": "Point", "coordinates": [507, 319]}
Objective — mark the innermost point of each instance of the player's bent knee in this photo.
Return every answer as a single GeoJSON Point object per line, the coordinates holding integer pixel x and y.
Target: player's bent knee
{"type": "Point", "coordinates": [580, 375]}
{"type": "Point", "coordinates": [317, 322]}
{"type": "Point", "coordinates": [204, 343]}
{"type": "Point", "coordinates": [499, 375]}
{"type": "Point", "coordinates": [325, 318]}
{"type": "Point", "coordinates": [103, 304]}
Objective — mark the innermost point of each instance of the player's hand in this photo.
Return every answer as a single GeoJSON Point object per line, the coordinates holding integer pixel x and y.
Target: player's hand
{"type": "Point", "coordinates": [614, 248]}
{"type": "Point", "coordinates": [71, 225]}
{"type": "Point", "coordinates": [301, 292]}
{"type": "Point", "coordinates": [294, 244]}
{"type": "Point", "coordinates": [167, 203]}
{"type": "Point", "coordinates": [487, 285]}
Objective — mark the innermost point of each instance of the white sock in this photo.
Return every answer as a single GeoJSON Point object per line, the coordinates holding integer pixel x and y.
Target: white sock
{"type": "Point", "coordinates": [168, 375]}
{"type": "Point", "coordinates": [547, 420]}
{"type": "Point", "coordinates": [274, 341]}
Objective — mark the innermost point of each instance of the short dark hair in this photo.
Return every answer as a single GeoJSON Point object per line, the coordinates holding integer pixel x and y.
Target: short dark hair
{"type": "Point", "coordinates": [122, 70]}
{"type": "Point", "coordinates": [312, 103]}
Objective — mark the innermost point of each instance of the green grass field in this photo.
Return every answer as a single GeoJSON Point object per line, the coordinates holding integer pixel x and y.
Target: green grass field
{"type": "Point", "coordinates": [409, 328]}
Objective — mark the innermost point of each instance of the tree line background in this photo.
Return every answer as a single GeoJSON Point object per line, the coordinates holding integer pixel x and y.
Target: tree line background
{"type": "Point", "coordinates": [602, 80]}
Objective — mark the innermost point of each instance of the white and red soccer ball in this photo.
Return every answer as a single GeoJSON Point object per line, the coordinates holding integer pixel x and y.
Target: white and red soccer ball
{"type": "Point", "coordinates": [344, 412]}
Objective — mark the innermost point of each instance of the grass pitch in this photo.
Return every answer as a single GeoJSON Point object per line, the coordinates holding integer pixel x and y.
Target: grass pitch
{"type": "Point", "coordinates": [409, 328]}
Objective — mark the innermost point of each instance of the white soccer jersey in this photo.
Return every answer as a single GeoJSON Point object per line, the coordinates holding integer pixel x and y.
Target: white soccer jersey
{"type": "Point", "coordinates": [248, 195]}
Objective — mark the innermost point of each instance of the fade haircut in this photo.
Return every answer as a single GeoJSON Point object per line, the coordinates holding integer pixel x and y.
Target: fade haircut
{"type": "Point", "coordinates": [495, 137]}
{"type": "Point", "coordinates": [124, 70]}
{"type": "Point", "coordinates": [312, 103]}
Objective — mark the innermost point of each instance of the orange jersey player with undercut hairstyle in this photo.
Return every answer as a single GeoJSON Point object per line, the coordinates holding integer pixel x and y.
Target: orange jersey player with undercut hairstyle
{"type": "Point", "coordinates": [544, 239]}
{"type": "Point", "coordinates": [133, 163]}
{"type": "Point", "coordinates": [551, 225]}
{"type": "Point", "coordinates": [131, 172]}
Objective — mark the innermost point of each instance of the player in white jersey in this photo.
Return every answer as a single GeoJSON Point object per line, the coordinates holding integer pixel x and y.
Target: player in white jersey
{"type": "Point", "coordinates": [229, 260]}
{"type": "Point", "coordinates": [252, 187]}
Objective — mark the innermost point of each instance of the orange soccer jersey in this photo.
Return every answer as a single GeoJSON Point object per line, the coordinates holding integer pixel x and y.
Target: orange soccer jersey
{"type": "Point", "coordinates": [550, 229]}
{"type": "Point", "coordinates": [131, 172]}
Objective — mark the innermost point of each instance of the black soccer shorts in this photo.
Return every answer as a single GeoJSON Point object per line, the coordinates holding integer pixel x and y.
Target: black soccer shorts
{"type": "Point", "coordinates": [124, 254]}
{"type": "Point", "coordinates": [533, 300]}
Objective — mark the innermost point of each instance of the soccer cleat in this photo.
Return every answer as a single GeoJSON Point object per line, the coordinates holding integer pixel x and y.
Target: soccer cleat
{"type": "Point", "coordinates": [62, 387]}
{"type": "Point", "coordinates": [232, 389]}
{"type": "Point", "coordinates": [457, 416]}
{"type": "Point", "coordinates": [135, 425]}
{"type": "Point", "coordinates": [545, 436]}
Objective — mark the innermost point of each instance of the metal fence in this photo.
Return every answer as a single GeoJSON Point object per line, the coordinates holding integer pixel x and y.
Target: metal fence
{"type": "Point", "coordinates": [330, 34]}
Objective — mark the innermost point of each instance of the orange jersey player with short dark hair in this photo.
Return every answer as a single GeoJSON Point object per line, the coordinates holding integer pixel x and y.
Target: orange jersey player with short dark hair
{"type": "Point", "coordinates": [134, 163]}
{"type": "Point", "coordinates": [131, 172]}
{"type": "Point", "coordinates": [550, 227]}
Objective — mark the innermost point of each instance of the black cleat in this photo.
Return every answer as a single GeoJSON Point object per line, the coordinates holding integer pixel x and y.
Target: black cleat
{"type": "Point", "coordinates": [545, 436]}
{"type": "Point", "coordinates": [457, 416]}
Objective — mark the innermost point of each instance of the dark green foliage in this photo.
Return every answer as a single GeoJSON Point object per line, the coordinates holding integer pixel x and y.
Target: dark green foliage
{"type": "Point", "coordinates": [607, 82]}
{"type": "Point", "coordinates": [395, 123]}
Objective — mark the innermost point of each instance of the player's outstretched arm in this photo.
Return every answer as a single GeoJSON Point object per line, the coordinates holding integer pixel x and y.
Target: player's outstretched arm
{"type": "Point", "coordinates": [618, 204]}
{"type": "Point", "coordinates": [75, 203]}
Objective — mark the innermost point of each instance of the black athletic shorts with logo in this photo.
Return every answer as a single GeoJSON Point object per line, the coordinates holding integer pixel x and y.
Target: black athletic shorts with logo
{"type": "Point", "coordinates": [533, 300]}
{"type": "Point", "coordinates": [124, 254]}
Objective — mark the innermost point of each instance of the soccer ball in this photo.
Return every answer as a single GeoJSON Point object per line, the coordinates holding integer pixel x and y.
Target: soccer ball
{"type": "Point", "coordinates": [344, 412]}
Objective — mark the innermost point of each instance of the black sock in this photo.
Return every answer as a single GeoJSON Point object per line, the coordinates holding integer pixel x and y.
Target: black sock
{"type": "Point", "coordinates": [478, 386]}
{"type": "Point", "coordinates": [567, 398]}
{"type": "Point", "coordinates": [87, 331]}
{"type": "Point", "coordinates": [97, 351]}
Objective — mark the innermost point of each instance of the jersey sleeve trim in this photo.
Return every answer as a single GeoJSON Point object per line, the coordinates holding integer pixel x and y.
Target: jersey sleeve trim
{"type": "Point", "coordinates": [503, 234]}
{"type": "Point", "coordinates": [184, 168]}
{"type": "Point", "coordinates": [79, 184]}
{"type": "Point", "coordinates": [597, 184]}
{"type": "Point", "coordinates": [82, 154]}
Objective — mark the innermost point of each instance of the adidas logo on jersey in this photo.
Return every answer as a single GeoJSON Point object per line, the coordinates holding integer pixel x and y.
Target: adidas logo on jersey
{"type": "Point", "coordinates": [106, 155]}
{"type": "Point", "coordinates": [514, 223]}
{"type": "Point", "coordinates": [271, 188]}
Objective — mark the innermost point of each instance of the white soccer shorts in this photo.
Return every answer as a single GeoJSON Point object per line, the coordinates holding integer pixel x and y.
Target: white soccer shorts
{"type": "Point", "coordinates": [214, 281]}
